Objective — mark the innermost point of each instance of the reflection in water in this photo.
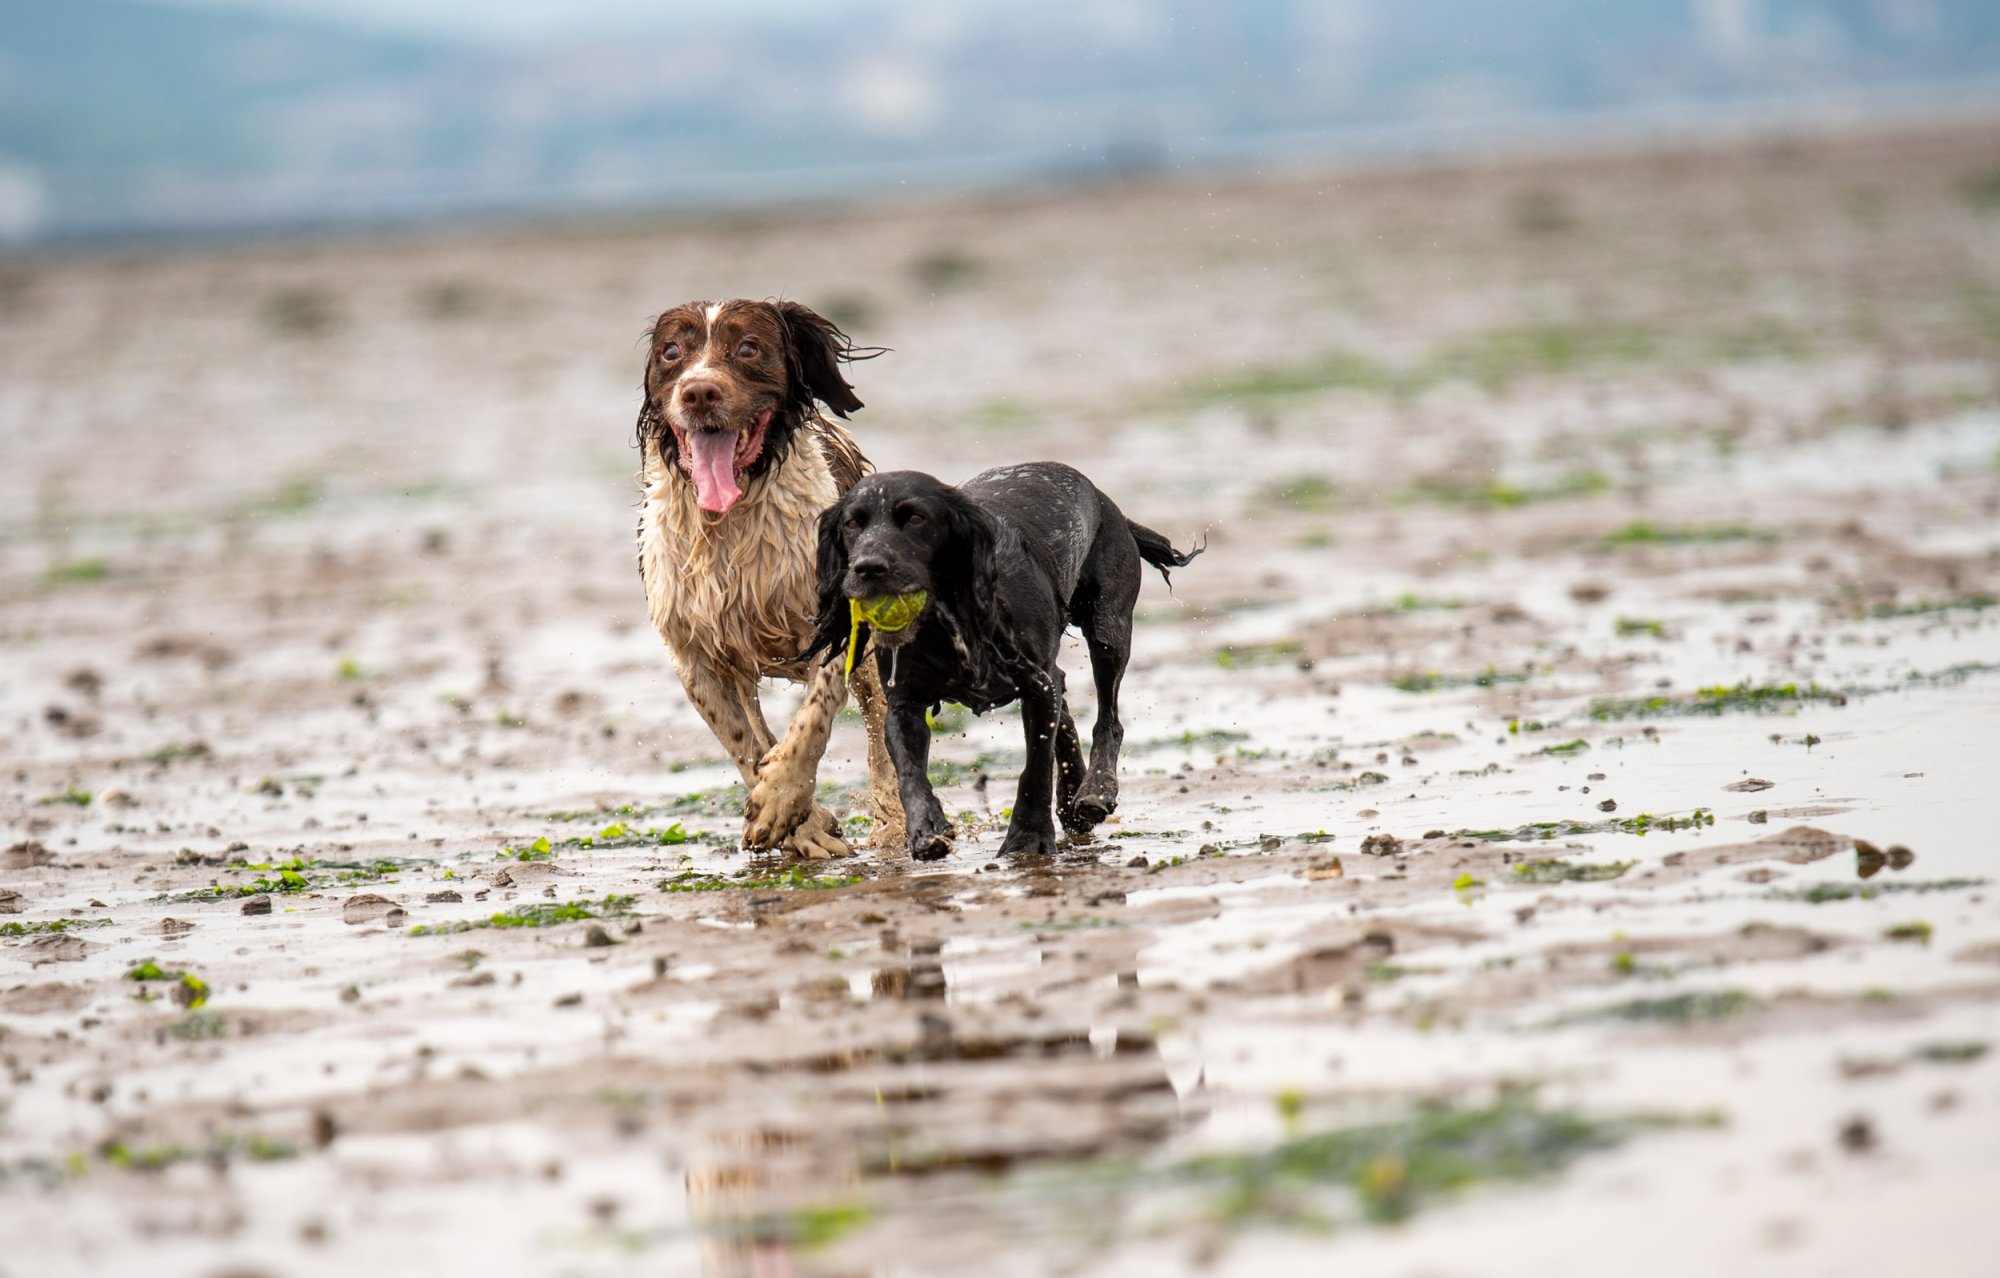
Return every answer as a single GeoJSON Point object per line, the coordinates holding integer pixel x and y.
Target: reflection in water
{"type": "Point", "coordinates": [1869, 859]}
{"type": "Point", "coordinates": [897, 1128]}
{"type": "Point", "coordinates": [922, 977]}
{"type": "Point", "coordinates": [764, 1200]}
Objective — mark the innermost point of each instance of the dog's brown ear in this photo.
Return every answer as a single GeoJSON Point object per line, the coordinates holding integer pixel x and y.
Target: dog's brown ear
{"type": "Point", "coordinates": [648, 428]}
{"type": "Point", "coordinates": [815, 348]}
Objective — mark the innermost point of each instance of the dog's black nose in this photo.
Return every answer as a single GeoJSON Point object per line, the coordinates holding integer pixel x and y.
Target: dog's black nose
{"type": "Point", "coordinates": [869, 568]}
{"type": "Point", "coordinates": [701, 394]}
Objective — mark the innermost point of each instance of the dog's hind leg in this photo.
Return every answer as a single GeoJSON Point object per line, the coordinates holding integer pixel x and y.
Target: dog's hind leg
{"type": "Point", "coordinates": [781, 805]}
{"type": "Point", "coordinates": [1031, 831]}
{"type": "Point", "coordinates": [1070, 772]}
{"type": "Point", "coordinates": [887, 801]}
{"type": "Point", "coordinates": [1106, 622]}
{"type": "Point", "coordinates": [1070, 767]}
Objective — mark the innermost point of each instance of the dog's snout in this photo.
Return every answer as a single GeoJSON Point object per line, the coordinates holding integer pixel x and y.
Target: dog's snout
{"type": "Point", "coordinates": [869, 568]}
{"type": "Point", "coordinates": [701, 394]}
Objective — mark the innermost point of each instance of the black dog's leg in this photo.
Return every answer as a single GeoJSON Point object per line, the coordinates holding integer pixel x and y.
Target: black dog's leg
{"type": "Point", "coordinates": [910, 749]}
{"type": "Point", "coordinates": [1032, 830]}
{"type": "Point", "coordinates": [1070, 770]}
{"type": "Point", "coordinates": [1109, 636]}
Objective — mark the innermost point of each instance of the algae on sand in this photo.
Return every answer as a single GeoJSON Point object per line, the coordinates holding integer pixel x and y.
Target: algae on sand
{"type": "Point", "coordinates": [1386, 1172]}
{"type": "Point", "coordinates": [1784, 698]}
{"type": "Point", "coordinates": [537, 915]}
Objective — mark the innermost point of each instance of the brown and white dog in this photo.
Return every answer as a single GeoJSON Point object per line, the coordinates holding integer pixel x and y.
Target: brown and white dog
{"type": "Point", "coordinates": [737, 464]}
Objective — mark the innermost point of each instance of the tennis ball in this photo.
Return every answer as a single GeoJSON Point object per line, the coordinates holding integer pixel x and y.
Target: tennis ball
{"type": "Point", "coordinates": [889, 613]}
{"type": "Point", "coordinates": [886, 613]}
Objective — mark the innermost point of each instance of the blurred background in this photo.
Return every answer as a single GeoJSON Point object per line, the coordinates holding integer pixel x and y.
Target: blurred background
{"type": "Point", "coordinates": [122, 117]}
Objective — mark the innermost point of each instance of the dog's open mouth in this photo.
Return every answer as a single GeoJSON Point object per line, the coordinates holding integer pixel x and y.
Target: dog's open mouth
{"type": "Point", "coordinates": [716, 459]}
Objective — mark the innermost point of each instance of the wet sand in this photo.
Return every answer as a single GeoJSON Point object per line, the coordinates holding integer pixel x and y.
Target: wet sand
{"type": "Point", "coordinates": [1556, 818]}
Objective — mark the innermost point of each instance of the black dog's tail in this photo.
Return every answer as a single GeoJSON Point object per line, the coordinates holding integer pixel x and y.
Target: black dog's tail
{"type": "Point", "coordinates": [1159, 552]}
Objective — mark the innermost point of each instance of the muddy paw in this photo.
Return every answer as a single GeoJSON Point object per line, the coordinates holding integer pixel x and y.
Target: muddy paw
{"type": "Point", "coordinates": [817, 838]}
{"type": "Point", "coordinates": [1074, 820]}
{"type": "Point", "coordinates": [1029, 843]}
{"type": "Point", "coordinates": [931, 840]}
{"type": "Point", "coordinates": [1097, 800]}
{"type": "Point", "coordinates": [886, 837]}
{"type": "Point", "coordinates": [777, 806]}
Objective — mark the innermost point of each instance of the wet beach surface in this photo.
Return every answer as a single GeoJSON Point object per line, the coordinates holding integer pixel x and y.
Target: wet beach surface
{"type": "Point", "coordinates": [1557, 816]}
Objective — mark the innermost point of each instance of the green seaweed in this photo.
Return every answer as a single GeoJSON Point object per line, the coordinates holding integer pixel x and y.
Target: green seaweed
{"type": "Point", "coordinates": [1954, 1053]}
{"type": "Point", "coordinates": [535, 915]}
{"type": "Point", "coordinates": [1782, 698]}
{"type": "Point", "coordinates": [1934, 607]}
{"type": "Point", "coordinates": [1267, 384]}
{"type": "Point", "coordinates": [1570, 871]}
{"type": "Point", "coordinates": [1542, 831]}
{"type": "Point", "coordinates": [620, 835]}
{"type": "Point", "coordinates": [1431, 681]}
{"type": "Point", "coordinates": [1274, 652]}
{"type": "Point", "coordinates": [1677, 1009]}
{"type": "Point", "coordinates": [177, 752]}
{"type": "Point", "coordinates": [48, 927]}
{"type": "Point", "coordinates": [539, 850]}
{"type": "Point", "coordinates": [218, 1151]}
{"type": "Point", "coordinates": [794, 879]}
{"type": "Point", "coordinates": [1823, 893]}
{"type": "Point", "coordinates": [1644, 532]}
{"type": "Point", "coordinates": [76, 572]}
{"type": "Point", "coordinates": [1498, 494]}
{"type": "Point", "coordinates": [195, 990]}
{"type": "Point", "coordinates": [1386, 1172]}
{"type": "Point", "coordinates": [1212, 738]}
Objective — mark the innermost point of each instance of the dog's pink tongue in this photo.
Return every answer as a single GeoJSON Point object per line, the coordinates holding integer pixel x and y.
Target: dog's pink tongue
{"type": "Point", "coordinates": [713, 454]}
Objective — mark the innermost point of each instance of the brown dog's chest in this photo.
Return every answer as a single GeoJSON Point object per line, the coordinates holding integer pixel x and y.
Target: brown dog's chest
{"type": "Point", "coordinates": [736, 593]}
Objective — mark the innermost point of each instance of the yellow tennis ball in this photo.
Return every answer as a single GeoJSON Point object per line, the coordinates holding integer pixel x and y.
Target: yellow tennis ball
{"type": "Point", "coordinates": [886, 613]}
{"type": "Point", "coordinates": [889, 613]}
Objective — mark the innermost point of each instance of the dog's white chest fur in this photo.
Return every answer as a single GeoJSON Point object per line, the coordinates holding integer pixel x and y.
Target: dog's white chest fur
{"type": "Point", "coordinates": [736, 593]}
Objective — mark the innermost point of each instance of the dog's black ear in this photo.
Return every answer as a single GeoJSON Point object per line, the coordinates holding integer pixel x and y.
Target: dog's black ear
{"type": "Point", "coordinates": [970, 575]}
{"type": "Point", "coordinates": [830, 620]}
{"type": "Point", "coordinates": [815, 348]}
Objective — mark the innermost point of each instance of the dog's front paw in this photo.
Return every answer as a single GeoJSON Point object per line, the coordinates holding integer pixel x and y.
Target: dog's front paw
{"type": "Point", "coordinates": [779, 803]}
{"type": "Point", "coordinates": [817, 838]}
{"type": "Point", "coordinates": [1097, 800]}
{"type": "Point", "coordinates": [1025, 840]}
{"type": "Point", "coordinates": [930, 838]}
{"type": "Point", "coordinates": [1072, 819]}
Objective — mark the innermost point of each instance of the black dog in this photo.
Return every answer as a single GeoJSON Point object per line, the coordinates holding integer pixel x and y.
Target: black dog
{"type": "Point", "coordinates": [1005, 561]}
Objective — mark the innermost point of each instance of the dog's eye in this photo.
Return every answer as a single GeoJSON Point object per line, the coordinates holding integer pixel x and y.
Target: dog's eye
{"type": "Point", "coordinates": [852, 523]}
{"type": "Point", "coordinates": [746, 349]}
{"type": "Point", "coordinates": [672, 350]}
{"type": "Point", "coordinates": [915, 520]}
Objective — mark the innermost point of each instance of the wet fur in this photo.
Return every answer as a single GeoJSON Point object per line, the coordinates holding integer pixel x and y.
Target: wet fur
{"type": "Point", "coordinates": [1007, 560]}
{"type": "Point", "coordinates": [732, 595]}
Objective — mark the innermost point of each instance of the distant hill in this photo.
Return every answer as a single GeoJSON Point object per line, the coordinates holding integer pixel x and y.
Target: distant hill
{"type": "Point", "coordinates": [124, 117]}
